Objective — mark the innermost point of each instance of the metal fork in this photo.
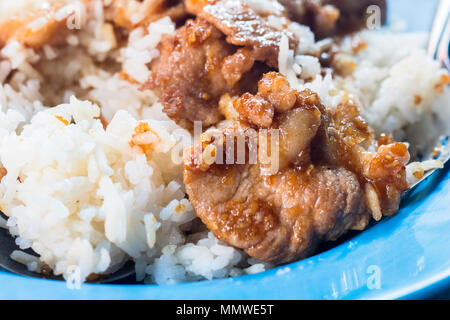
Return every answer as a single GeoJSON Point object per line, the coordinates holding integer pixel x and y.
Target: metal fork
{"type": "Point", "coordinates": [438, 45]}
{"type": "Point", "coordinates": [438, 49]}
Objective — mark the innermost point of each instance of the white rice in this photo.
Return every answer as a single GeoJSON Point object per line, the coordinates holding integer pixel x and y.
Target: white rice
{"type": "Point", "coordinates": [396, 86]}
{"type": "Point", "coordinates": [208, 258]}
{"type": "Point", "coordinates": [416, 170]}
{"type": "Point", "coordinates": [86, 199]}
{"type": "Point", "coordinates": [78, 193]}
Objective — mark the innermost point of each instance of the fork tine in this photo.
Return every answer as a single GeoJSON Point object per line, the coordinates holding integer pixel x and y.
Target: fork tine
{"type": "Point", "coordinates": [443, 49]}
{"type": "Point", "coordinates": [439, 27]}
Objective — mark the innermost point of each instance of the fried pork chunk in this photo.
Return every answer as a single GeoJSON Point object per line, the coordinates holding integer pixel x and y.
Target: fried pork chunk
{"type": "Point", "coordinates": [189, 73]}
{"type": "Point", "coordinates": [325, 17]}
{"type": "Point", "coordinates": [244, 27]}
{"type": "Point", "coordinates": [325, 183]}
{"type": "Point", "coordinates": [238, 41]}
{"type": "Point", "coordinates": [226, 49]}
{"type": "Point", "coordinates": [198, 65]}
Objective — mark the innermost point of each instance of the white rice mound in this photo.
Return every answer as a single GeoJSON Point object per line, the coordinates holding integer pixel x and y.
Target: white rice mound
{"type": "Point", "coordinates": [398, 87]}
{"type": "Point", "coordinates": [86, 198]}
{"type": "Point", "coordinates": [401, 91]}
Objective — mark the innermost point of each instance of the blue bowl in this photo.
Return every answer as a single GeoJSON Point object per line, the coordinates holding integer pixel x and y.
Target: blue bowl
{"type": "Point", "coordinates": [406, 256]}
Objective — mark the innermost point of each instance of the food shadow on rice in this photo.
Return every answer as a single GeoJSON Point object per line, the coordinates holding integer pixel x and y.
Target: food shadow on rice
{"type": "Point", "coordinates": [125, 274]}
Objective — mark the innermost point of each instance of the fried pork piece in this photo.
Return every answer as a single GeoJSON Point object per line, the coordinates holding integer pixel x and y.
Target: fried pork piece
{"type": "Point", "coordinates": [332, 17]}
{"type": "Point", "coordinates": [189, 73]}
{"type": "Point", "coordinates": [327, 181]}
{"type": "Point", "coordinates": [34, 23]}
{"type": "Point", "coordinates": [196, 67]}
{"type": "Point", "coordinates": [344, 138]}
{"type": "Point", "coordinates": [243, 27]}
{"type": "Point", "coordinates": [226, 49]}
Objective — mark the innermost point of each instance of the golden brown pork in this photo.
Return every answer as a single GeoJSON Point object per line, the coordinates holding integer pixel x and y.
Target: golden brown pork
{"type": "Point", "coordinates": [199, 64]}
{"type": "Point", "coordinates": [192, 75]}
{"type": "Point", "coordinates": [318, 181]}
